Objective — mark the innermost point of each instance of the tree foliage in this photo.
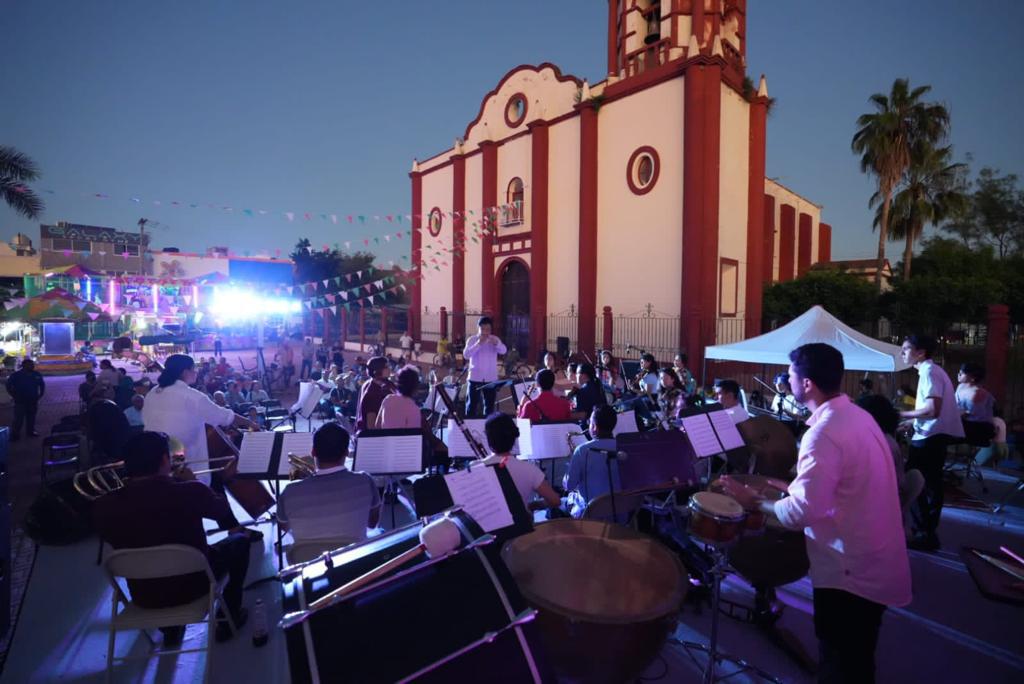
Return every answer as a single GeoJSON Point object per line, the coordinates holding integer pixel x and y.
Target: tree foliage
{"type": "Point", "coordinates": [849, 297]}
{"type": "Point", "coordinates": [992, 216]}
{"type": "Point", "coordinates": [312, 265]}
{"type": "Point", "coordinates": [17, 169]}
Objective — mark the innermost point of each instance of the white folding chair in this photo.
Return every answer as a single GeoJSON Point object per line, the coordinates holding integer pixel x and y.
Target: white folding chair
{"type": "Point", "coordinates": [153, 562]}
{"type": "Point", "coordinates": [308, 549]}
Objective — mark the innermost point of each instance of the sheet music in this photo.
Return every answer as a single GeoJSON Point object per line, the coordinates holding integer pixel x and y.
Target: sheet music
{"type": "Point", "coordinates": [728, 434]}
{"type": "Point", "coordinates": [626, 422]}
{"type": "Point", "coordinates": [255, 452]}
{"type": "Point", "coordinates": [479, 492]}
{"type": "Point", "coordinates": [389, 455]}
{"type": "Point", "coordinates": [458, 447]}
{"type": "Point", "coordinates": [524, 445]}
{"type": "Point", "coordinates": [549, 440]}
{"type": "Point", "coordinates": [701, 436]}
{"type": "Point", "coordinates": [298, 443]}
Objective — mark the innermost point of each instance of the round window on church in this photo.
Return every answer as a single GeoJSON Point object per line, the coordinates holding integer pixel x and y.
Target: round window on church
{"type": "Point", "coordinates": [515, 110]}
{"type": "Point", "coordinates": [435, 221]}
{"type": "Point", "coordinates": [642, 170]}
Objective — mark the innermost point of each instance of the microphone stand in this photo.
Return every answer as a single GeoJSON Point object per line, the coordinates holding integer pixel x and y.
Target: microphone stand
{"type": "Point", "coordinates": [610, 455]}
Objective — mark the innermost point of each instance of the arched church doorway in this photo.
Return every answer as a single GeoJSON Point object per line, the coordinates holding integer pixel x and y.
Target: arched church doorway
{"type": "Point", "coordinates": [515, 306]}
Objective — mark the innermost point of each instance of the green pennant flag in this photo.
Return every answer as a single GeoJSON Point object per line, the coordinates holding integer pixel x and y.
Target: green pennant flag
{"type": "Point", "coordinates": [362, 219]}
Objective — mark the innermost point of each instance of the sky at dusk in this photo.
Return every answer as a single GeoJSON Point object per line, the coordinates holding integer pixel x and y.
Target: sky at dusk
{"type": "Point", "coordinates": [320, 106]}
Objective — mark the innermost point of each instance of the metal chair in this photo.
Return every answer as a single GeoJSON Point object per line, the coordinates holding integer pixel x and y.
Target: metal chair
{"type": "Point", "coordinates": [61, 450]}
{"type": "Point", "coordinates": [308, 549]}
{"type": "Point", "coordinates": [153, 562]}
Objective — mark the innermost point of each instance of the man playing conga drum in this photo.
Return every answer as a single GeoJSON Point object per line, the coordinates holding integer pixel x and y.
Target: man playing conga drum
{"type": "Point", "coordinates": [845, 499]}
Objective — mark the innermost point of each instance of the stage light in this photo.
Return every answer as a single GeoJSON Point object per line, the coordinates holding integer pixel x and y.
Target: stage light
{"type": "Point", "coordinates": [232, 304]}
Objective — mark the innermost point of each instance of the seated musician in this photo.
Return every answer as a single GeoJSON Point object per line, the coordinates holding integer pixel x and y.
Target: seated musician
{"type": "Point", "coordinates": [681, 365]}
{"type": "Point", "coordinates": [611, 373]}
{"type": "Point", "coordinates": [335, 503]}
{"type": "Point", "coordinates": [784, 405]}
{"type": "Point", "coordinates": [153, 509]}
{"type": "Point", "coordinates": [587, 477]}
{"type": "Point", "coordinates": [727, 392]}
{"type": "Point", "coordinates": [647, 378]}
{"type": "Point", "coordinates": [401, 410]}
{"type": "Point", "coordinates": [572, 379]}
{"type": "Point", "coordinates": [373, 392]}
{"type": "Point", "coordinates": [671, 396]}
{"type": "Point", "coordinates": [546, 405]}
{"type": "Point", "coordinates": [502, 433]}
{"type": "Point", "coordinates": [589, 394]}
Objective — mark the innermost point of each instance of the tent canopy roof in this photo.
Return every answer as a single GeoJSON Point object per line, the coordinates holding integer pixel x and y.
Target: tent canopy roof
{"type": "Point", "coordinates": [860, 352]}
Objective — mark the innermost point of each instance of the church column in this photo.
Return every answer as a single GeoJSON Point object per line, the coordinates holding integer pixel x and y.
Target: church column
{"type": "Point", "coordinates": [691, 305]}
{"type": "Point", "coordinates": [489, 197]}
{"type": "Point", "coordinates": [613, 36]}
{"type": "Point", "coordinates": [416, 256]}
{"type": "Point", "coordinates": [459, 240]}
{"type": "Point", "coordinates": [769, 240]}
{"type": "Point", "coordinates": [824, 242]}
{"type": "Point", "coordinates": [787, 241]}
{"type": "Point", "coordinates": [538, 236]}
{"type": "Point", "coordinates": [712, 179]}
{"type": "Point", "coordinates": [755, 276]}
{"type": "Point", "coordinates": [805, 242]}
{"type": "Point", "coordinates": [587, 327]}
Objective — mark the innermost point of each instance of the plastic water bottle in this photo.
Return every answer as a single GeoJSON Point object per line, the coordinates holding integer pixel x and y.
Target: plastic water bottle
{"type": "Point", "coordinates": [260, 635]}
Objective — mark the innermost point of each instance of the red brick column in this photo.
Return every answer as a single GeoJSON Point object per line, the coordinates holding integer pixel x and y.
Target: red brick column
{"type": "Point", "coordinates": [997, 348]}
{"type": "Point", "coordinates": [804, 257]}
{"type": "Point", "coordinates": [787, 242]}
{"type": "Point", "coordinates": [588, 229]}
{"type": "Point", "coordinates": [607, 337]}
{"type": "Point", "coordinates": [755, 276]}
{"type": "Point", "coordinates": [444, 322]}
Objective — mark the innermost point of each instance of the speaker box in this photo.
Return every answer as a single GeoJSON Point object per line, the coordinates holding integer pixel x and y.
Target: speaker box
{"type": "Point", "coordinates": [563, 347]}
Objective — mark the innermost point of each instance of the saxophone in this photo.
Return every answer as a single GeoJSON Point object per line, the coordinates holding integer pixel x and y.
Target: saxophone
{"type": "Point", "coordinates": [568, 440]}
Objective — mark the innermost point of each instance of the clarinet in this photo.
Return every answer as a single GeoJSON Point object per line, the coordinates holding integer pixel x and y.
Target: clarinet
{"type": "Point", "coordinates": [476, 446]}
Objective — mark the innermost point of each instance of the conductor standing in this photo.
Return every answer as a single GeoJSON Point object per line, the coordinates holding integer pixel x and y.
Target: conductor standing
{"type": "Point", "coordinates": [482, 351]}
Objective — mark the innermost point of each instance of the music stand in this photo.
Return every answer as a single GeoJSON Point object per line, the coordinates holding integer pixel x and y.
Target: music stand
{"type": "Point", "coordinates": [655, 458]}
{"type": "Point", "coordinates": [391, 454]}
{"type": "Point", "coordinates": [310, 394]}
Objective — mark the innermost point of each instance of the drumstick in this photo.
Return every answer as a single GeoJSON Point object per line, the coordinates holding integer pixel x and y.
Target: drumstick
{"type": "Point", "coordinates": [1012, 555]}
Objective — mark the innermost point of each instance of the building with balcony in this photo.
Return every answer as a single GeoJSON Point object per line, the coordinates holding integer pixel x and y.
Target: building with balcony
{"type": "Point", "coordinates": [644, 192]}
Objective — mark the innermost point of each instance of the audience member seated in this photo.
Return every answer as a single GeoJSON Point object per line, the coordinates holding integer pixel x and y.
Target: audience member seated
{"type": "Point", "coordinates": [336, 503]}
{"type": "Point", "coordinates": [401, 410]}
{"type": "Point", "coordinates": [546, 405]}
{"type": "Point", "coordinates": [109, 430]}
{"type": "Point", "coordinates": [257, 394]}
{"type": "Point", "coordinates": [220, 400]}
{"type": "Point", "coordinates": [977, 405]}
{"type": "Point", "coordinates": [153, 509]}
{"type": "Point", "coordinates": [124, 390]}
{"type": "Point", "coordinates": [134, 412]}
{"type": "Point", "coordinates": [587, 477]}
{"type": "Point", "coordinates": [590, 392]}
{"type": "Point", "coordinates": [502, 434]}
{"type": "Point", "coordinates": [234, 396]}
{"type": "Point", "coordinates": [86, 388]}
{"type": "Point", "coordinates": [727, 392]}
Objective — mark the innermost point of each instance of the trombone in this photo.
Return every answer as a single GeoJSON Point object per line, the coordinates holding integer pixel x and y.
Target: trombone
{"type": "Point", "coordinates": [301, 466]}
{"type": "Point", "coordinates": [104, 479]}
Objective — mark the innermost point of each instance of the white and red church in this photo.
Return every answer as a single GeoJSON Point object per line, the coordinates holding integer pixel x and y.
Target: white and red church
{"type": "Point", "coordinates": [643, 192]}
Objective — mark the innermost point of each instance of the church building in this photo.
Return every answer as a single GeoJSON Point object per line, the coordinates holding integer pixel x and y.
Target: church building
{"type": "Point", "coordinates": [645, 192]}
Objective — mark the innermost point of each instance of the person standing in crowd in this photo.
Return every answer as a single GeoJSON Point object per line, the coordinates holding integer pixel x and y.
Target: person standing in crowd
{"type": "Point", "coordinates": [936, 424]}
{"type": "Point", "coordinates": [26, 387]}
{"type": "Point", "coordinates": [308, 352]}
{"type": "Point", "coordinates": [373, 392]}
{"type": "Point", "coordinates": [545, 406]}
{"type": "Point", "coordinates": [218, 346]}
{"type": "Point", "coordinates": [322, 355]}
{"type": "Point", "coordinates": [86, 389]}
{"type": "Point", "coordinates": [405, 342]}
{"type": "Point", "coordinates": [108, 375]}
{"type": "Point", "coordinates": [124, 390]}
{"type": "Point", "coordinates": [482, 350]}
{"type": "Point", "coordinates": [845, 500]}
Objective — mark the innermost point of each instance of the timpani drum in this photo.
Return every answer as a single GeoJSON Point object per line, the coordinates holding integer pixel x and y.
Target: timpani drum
{"type": "Point", "coordinates": [425, 621]}
{"type": "Point", "coordinates": [608, 597]}
{"type": "Point", "coordinates": [715, 518]}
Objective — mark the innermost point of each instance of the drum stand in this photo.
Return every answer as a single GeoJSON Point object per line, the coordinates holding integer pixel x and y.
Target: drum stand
{"type": "Point", "coordinates": [718, 571]}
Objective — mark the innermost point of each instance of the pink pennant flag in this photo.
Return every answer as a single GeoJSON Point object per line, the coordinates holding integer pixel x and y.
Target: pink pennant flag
{"type": "Point", "coordinates": [390, 218]}
{"type": "Point", "coordinates": [93, 316]}
{"type": "Point", "coordinates": [366, 242]}
{"type": "Point", "coordinates": [349, 218]}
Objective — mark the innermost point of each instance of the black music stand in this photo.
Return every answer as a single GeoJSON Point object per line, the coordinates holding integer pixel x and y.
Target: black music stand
{"type": "Point", "coordinates": [497, 386]}
{"type": "Point", "coordinates": [655, 458]}
{"type": "Point", "coordinates": [612, 455]}
{"type": "Point", "coordinates": [389, 460]}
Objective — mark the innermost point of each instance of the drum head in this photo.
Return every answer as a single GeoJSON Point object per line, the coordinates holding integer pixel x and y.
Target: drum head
{"type": "Point", "coordinates": [598, 572]}
{"type": "Point", "coordinates": [773, 445]}
{"type": "Point", "coordinates": [769, 488]}
{"type": "Point", "coordinates": [718, 505]}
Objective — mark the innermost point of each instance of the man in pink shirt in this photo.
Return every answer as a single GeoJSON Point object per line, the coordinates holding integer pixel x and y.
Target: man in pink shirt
{"type": "Point", "coordinates": [845, 499]}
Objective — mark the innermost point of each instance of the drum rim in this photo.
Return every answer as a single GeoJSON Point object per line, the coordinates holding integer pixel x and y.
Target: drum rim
{"type": "Point", "coordinates": [694, 505]}
{"type": "Point", "coordinates": [672, 603]}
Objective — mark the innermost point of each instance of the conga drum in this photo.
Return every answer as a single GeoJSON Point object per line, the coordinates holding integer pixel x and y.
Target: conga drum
{"type": "Point", "coordinates": [768, 488]}
{"type": "Point", "coordinates": [608, 597]}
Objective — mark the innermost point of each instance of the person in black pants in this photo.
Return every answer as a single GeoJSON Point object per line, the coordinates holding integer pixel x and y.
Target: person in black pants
{"type": "Point", "coordinates": [26, 388]}
{"type": "Point", "coordinates": [482, 352]}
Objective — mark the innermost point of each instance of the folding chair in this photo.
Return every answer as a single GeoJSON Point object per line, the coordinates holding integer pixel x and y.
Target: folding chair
{"type": "Point", "coordinates": [64, 449]}
{"type": "Point", "coordinates": [152, 562]}
{"type": "Point", "coordinates": [308, 549]}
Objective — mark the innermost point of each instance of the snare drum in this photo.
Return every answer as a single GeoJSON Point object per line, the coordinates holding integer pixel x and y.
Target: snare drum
{"type": "Point", "coordinates": [408, 623]}
{"type": "Point", "coordinates": [608, 596]}
{"type": "Point", "coordinates": [715, 518]}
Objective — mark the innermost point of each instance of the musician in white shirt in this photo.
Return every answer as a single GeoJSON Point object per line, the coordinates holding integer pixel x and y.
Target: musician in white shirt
{"type": "Point", "coordinates": [784, 404]}
{"type": "Point", "coordinates": [482, 351]}
{"type": "Point", "coordinates": [727, 393]}
{"type": "Point", "coordinates": [178, 410]}
{"type": "Point", "coordinates": [845, 499]}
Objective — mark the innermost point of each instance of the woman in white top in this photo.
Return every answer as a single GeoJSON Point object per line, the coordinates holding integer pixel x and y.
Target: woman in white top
{"type": "Point", "coordinates": [182, 412]}
{"type": "Point", "coordinates": [400, 410]}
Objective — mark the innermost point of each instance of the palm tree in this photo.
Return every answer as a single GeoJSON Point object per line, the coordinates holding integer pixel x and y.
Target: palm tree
{"type": "Point", "coordinates": [885, 138]}
{"type": "Point", "coordinates": [16, 169]}
{"type": "Point", "coordinates": [931, 191]}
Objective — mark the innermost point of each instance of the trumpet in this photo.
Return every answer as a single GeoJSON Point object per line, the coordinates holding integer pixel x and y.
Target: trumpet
{"type": "Point", "coordinates": [301, 466]}
{"type": "Point", "coordinates": [109, 477]}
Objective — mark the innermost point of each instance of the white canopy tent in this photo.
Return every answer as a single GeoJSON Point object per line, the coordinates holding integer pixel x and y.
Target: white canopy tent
{"type": "Point", "coordinates": [860, 352]}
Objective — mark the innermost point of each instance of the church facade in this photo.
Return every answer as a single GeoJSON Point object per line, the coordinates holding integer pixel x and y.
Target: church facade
{"type": "Point", "coordinates": [645, 192]}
